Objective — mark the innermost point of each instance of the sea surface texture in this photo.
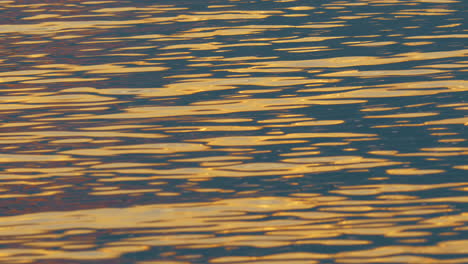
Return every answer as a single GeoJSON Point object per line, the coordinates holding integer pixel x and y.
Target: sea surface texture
{"type": "Point", "coordinates": [233, 132]}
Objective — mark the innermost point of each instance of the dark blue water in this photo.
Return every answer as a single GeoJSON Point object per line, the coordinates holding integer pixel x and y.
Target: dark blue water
{"type": "Point", "coordinates": [233, 132]}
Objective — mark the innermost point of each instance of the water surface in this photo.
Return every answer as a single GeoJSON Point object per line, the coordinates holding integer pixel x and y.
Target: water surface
{"type": "Point", "coordinates": [233, 132]}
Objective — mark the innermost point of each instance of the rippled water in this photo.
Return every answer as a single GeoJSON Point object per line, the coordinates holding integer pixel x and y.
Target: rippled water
{"type": "Point", "coordinates": [233, 132]}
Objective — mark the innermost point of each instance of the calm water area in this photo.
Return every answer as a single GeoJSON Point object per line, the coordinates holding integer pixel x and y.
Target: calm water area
{"type": "Point", "coordinates": [233, 132]}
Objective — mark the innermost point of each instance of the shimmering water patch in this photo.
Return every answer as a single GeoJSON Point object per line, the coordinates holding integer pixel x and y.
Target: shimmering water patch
{"type": "Point", "coordinates": [233, 132]}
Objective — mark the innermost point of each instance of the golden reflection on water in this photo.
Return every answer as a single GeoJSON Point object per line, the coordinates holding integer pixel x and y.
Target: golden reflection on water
{"type": "Point", "coordinates": [235, 132]}
{"type": "Point", "coordinates": [238, 222]}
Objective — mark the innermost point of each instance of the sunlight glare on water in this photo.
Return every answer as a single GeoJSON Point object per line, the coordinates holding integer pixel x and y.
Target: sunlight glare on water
{"type": "Point", "coordinates": [233, 132]}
